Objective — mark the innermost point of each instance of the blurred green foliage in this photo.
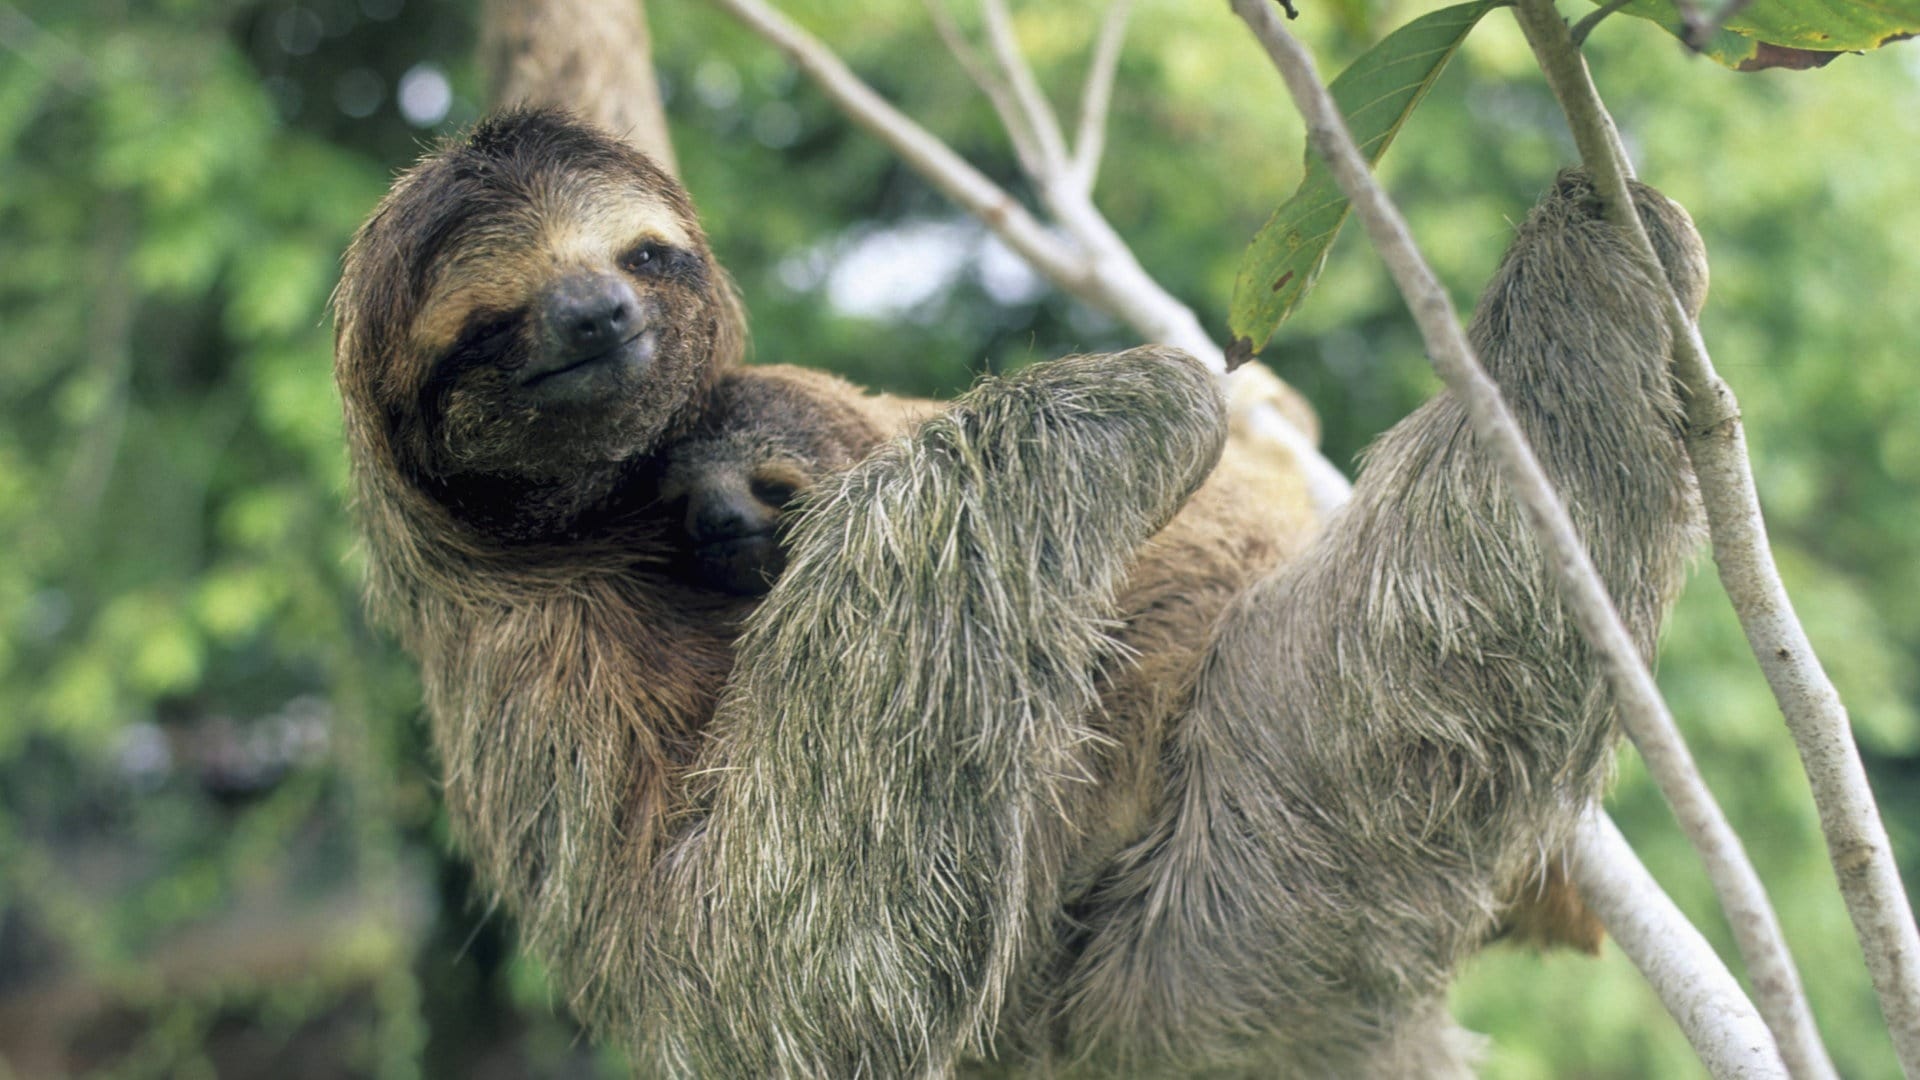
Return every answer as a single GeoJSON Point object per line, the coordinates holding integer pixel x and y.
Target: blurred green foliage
{"type": "Point", "coordinates": [220, 849]}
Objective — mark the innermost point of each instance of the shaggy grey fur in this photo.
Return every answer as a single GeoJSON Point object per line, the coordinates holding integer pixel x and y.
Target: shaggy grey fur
{"type": "Point", "coordinates": [1394, 727]}
{"type": "Point", "coordinates": [1388, 731]}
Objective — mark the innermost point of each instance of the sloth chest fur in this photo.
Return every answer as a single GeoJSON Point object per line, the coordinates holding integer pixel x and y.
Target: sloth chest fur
{"type": "Point", "coordinates": [572, 713]}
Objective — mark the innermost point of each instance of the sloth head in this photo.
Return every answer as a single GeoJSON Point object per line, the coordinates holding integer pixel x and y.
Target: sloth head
{"type": "Point", "coordinates": [769, 436]}
{"type": "Point", "coordinates": [529, 309]}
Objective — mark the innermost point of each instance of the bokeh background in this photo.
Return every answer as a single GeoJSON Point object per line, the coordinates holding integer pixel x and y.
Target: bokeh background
{"type": "Point", "coordinates": [221, 852]}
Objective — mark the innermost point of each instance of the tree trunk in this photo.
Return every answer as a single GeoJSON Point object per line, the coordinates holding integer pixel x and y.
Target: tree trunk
{"type": "Point", "coordinates": [591, 57]}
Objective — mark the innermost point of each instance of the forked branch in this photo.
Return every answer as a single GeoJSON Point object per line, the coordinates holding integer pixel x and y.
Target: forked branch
{"type": "Point", "coordinates": [1018, 74]}
{"type": "Point", "coordinates": [1079, 251]}
{"type": "Point", "coordinates": [1849, 818]}
{"type": "Point", "coordinates": [1090, 140]}
{"type": "Point", "coordinates": [1642, 711]}
{"type": "Point", "coordinates": [1026, 145]}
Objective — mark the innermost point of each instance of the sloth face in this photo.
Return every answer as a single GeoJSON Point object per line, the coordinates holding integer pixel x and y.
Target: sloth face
{"type": "Point", "coordinates": [732, 492]}
{"type": "Point", "coordinates": [767, 438]}
{"type": "Point", "coordinates": [529, 307]}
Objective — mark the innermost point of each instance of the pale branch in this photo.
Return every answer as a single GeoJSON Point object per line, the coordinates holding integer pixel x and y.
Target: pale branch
{"type": "Point", "coordinates": [1699, 992]}
{"type": "Point", "coordinates": [1856, 837]}
{"type": "Point", "coordinates": [1090, 139]}
{"type": "Point", "coordinates": [1026, 146]}
{"type": "Point", "coordinates": [1642, 711]}
{"type": "Point", "coordinates": [1083, 256]}
{"type": "Point", "coordinates": [1595, 137]}
{"type": "Point", "coordinates": [1018, 73]}
{"type": "Point", "coordinates": [588, 56]}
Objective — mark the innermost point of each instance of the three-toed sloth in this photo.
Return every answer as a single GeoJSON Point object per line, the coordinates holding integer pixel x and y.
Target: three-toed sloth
{"type": "Point", "coordinates": [1065, 743]}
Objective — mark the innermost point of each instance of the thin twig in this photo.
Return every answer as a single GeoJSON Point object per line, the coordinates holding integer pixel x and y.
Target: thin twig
{"type": "Point", "coordinates": [1699, 992]}
{"type": "Point", "coordinates": [20, 35]}
{"type": "Point", "coordinates": [1641, 710]}
{"type": "Point", "coordinates": [1014, 68]}
{"type": "Point", "coordinates": [110, 353]}
{"type": "Point", "coordinates": [956, 178]}
{"type": "Point", "coordinates": [1856, 838]}
{"type": "Point", "coordinates": [998, 92]}
{"type": "Point", "coordinates": [1091, 139]}
{"type": "Point", "coordinates": [1585, 26]}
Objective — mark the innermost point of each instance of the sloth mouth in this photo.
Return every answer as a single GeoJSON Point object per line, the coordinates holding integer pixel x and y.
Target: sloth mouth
{"type": "Point", "coordinates": [634, 351]}
{"type": "Point", "coordinates": [741, 565]}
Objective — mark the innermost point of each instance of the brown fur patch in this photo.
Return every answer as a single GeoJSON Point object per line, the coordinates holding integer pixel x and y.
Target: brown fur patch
{"type": "Point", "coordinates": [1549, 913]}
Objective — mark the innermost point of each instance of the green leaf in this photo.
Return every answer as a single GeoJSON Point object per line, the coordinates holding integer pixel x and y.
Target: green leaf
{"type": "Point", "coordinates": [1792, 33]}
{"type": "Point", "coordinates": [1376, 94]}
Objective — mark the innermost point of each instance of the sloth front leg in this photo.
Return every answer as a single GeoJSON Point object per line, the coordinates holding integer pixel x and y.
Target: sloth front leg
{"type": "Point", "coordinates": [1389, 731]}
{"type": "Point", "coordinates": [881, 814]}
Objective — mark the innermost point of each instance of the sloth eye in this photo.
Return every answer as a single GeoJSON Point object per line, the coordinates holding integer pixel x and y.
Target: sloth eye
{"type": "Point", "coordinates": [778, 484]}
{"type": "Point", "coordinates": [774, 493]}
{"type": "Point", "coordinates": [640, 258]}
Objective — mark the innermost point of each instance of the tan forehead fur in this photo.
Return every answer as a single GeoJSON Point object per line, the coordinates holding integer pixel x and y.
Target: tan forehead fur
{"type": "Point", "coordinates": [501, 269]}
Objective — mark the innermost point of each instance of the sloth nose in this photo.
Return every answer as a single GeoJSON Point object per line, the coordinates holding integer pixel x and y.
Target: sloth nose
{"type": "Point", "coordinates": [587, 315]}
{"type": "Point", "coordinates": [713, 516]}
{"type": "Point", "coordinates": [735, 545]}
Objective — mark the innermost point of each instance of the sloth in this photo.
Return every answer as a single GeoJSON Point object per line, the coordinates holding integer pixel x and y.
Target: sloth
{"type": "Point", "coordinates": [1065, 742]}
{"type": "Point", "coordinates": [766, 437]}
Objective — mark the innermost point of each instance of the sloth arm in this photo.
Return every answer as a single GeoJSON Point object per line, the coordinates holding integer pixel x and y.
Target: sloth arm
{"type": "Point", "coordinates": [879, 814]}
{"type": "Point", "coordinates": [1392, 729]}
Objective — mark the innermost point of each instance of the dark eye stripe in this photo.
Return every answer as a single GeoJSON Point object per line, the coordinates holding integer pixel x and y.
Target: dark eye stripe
{"type": "Point", "coordinates": [486, 339]}
{"type": "Point", "coordinates": [662, 262]}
